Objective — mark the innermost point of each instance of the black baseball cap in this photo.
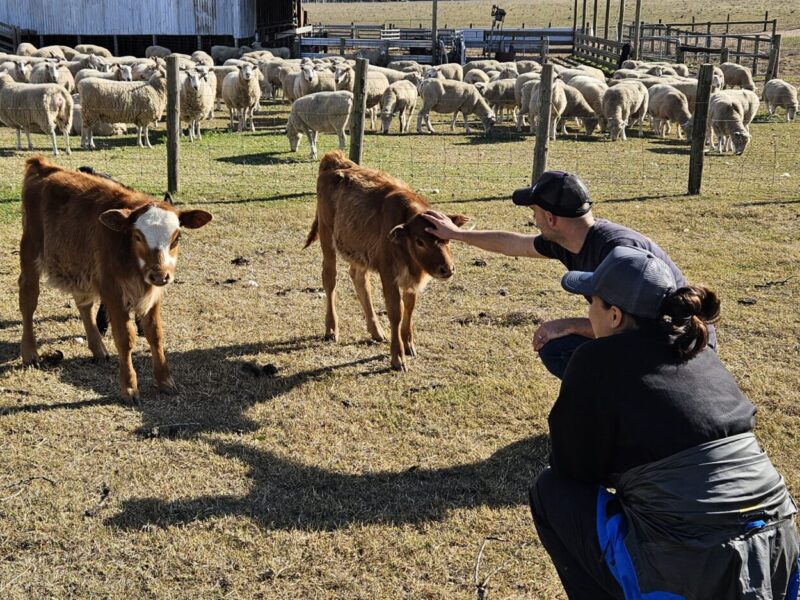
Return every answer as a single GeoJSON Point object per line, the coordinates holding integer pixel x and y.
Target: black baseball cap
{"type": "Point", "coordinates": [560, 193]}
{"type": "Point", "coordinates": [630, 278]}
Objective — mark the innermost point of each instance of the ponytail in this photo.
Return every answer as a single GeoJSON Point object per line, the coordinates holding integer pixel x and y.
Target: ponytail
{"type": "Point", "coordinates": [685, 315]}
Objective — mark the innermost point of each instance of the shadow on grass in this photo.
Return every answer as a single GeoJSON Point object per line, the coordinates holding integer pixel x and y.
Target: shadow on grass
{"type": "Point", "coordinates": [128, 140]}
{"type": "Point", "coordinates": [275, 198]}
{"type": "Point", "coordinates": [643, 198]}
{"type": "Point", "coordinates": [265, 158]}
{"type": "Point", "coordinates": [286, 494]}
{"type": "Point", "coordinates": [216, 386]}
{"type": "Point", "coordinates": [468, 200]}
{"type": "Point", "coordinates": [677, 150]}
{"type": "Point", "coordinates": [478, 138]}
{"type": "Point", "coordinates": [765, 203]}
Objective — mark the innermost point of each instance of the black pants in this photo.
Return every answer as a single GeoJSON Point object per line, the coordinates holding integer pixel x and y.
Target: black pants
{"type": "Point", "coordinates": [564, 513]}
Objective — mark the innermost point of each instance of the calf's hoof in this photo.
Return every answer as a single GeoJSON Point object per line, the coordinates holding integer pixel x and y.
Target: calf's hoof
{"type": "Point", "coordinates": [399, 365]}
{"type": "Point", "coordinates": [378, 335]}
{"type": "Point", "coordinates": [331, 336]}
{"type": "Point", "coordinates": [30, 358]}
{"type": "Point", "coordinates": [167, 386]}
{"type": "Point", "coordinates": [411, 350]}
{"type": "Point", "coordinates": [130, 395]}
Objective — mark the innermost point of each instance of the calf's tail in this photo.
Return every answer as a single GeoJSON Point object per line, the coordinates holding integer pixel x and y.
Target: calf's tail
{"type": "Point", "coordinates": [313, 235]}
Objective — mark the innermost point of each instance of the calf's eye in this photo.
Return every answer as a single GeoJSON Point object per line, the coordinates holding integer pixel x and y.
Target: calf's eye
{"type": "Point", "coordinates": [420, 243]}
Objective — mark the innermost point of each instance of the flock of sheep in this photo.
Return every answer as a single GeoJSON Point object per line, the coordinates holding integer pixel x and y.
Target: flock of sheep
{"type": "Point", "coordinates": [88, 91]}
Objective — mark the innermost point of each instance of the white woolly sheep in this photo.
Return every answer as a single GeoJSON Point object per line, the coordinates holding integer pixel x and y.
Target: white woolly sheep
{"type": "Point", "coordinates": [326, 112]}
{"type": "Point", "coordinates": [500, 95]}
{"type": "Point", "coordinates": [453, 97]}
{"type": "Point", "coordinates": [29, 106]}
{"type": "Point", "coordinates": [667, 105]}
{"type": "Point", "coordinates": [159, 51]}
{"type": "Point", "coordinates": [101, 129]}
{"type": "Point", "coordinates": [578, 108]}
{"type": "Point", "coordinates": [18, 70]}
{"type": "Point", "coordinates": [727, 122]}
{"type": "Point", "coordinates": [118, 73]}
{"type": "Point", "coordinates": [312, 80]}
{"type": "Point", "coordinates": [408, 66]}
{"type": "Point", "coordinates": [93, 49]}
{"type": "Point", "coordinates": [25, 49]}
{"type": "Point", "coordinates": [483, 65]}
{"type": "Point", "coordinates": [50, 52]}
{"type": "Point", "coordinates": [737, 75]}
{"type": "Point", "coordinates": [476, 76]}
{"type": "Point", "coordinates": [528, 66]}
{"type": "Point", "coordinates": [399, 98]}
{"type": "Point", "coordinates": [202, 58]}
{"type": "Point", "coordinates": [557, 105]}
{"type": "Point", "coordinates": [524, 100]}
{"type": "Point", "coordinates": [241, 92]}
{"type": "Point", "coordinates": [505, 73]}
{"type": "Point", "coordinates": [53, 72]}
{"type": "Point", "coordinates": [88, 61]}
{"type": "Point", "coordinates": [221, 73]}
{"type": "Point", "coordinates": [222, 53]}
{"type": "Point", "coordinates": [137, 102]}
{"type": "Point", "coordinates": [375, 87]}
{"type": "Point", "coordinates": [593, 92]}
{"type": "Point", "coordinates": [622, 105]}
{"type": "Point", "coordinates": [196, 100]}
{"type": "Point", "coordinates": [780, 94]}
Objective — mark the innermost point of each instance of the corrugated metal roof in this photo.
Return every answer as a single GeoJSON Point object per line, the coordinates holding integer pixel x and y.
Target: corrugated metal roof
{"type": "Point", "coordinates": [132, 17]}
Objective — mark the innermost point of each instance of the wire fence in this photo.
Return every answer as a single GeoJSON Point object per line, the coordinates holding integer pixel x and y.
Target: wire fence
{"type": "Point", "coordinates": [448, 165]}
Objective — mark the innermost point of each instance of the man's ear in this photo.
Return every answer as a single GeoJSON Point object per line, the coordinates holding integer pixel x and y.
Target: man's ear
{"type": "Point", "coordinates": [459, 220]}
{"type": "Point", "coordinates": [397, 234]}
{"type": "Point", "coordinates": [617, 316]}
{"type": "Point", "coordinates": [116, 219]}
{"type": "Point", "coordinates": [194, 219]}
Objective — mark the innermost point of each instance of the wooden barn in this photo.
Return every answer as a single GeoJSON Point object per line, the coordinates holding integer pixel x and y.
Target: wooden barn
{"type": "Point", "coordinates": [129, 26]}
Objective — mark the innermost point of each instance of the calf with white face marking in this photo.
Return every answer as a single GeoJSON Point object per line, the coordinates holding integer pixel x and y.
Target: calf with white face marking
{"type": "Point", "coordinates": [99, 240]}
{"type": "Point", "coordinates": [376, 223]}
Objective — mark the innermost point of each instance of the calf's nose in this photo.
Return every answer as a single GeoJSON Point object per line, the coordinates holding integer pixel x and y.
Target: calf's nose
{"type": "Point", "coordinates": [159, 278]}
{"type": "Point", "coordinates": [446, 271]}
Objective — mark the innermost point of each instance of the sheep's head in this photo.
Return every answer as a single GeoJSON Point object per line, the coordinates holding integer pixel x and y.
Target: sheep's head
{"type": "Point", "coordinates": [52, 71]}
{"type": "Point", "coordinates": [125, 72]}
{"type": "Point", "coordinates": [488, 122]}
{"type": "Point", "coordinates": [590, 124]}
{"type": "Point", "coordinates": [193, 80]}
{"type": "Point", "coordinates": [293, 134]}
{"type": "Point", "coordinates": [616, 127]}
{"type": "Point", "coordinates": [246, 72]}
{"type": "Point", "coordinates": [342, 74]}
{"type": "Point", "coordinates": [740, 140]}
{"type": "Point", "coordinates": [309, 73]}
{"type": "Point", "coordinates": [791, 112]}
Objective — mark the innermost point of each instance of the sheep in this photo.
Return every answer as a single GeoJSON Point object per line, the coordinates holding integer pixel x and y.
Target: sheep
{"type": "Point", "coordinates": [50, 52]}
{"type": "Point", "coordinates": [778, 93]}
{"type": "Point", "coordinates": [241, 92]}
{"type": "Point", "coordinates": [662, 71]}
{"type": "Point", "coordinates": [137, 102]}
{"type": "Point", "coordinates": [524, 100]}
{"type": "Point", "coordinates": [750, 103]}
{"type": "Point", "coordinates": [476, 76]}
{"type": "Point", "coordinates": [557, 105]}
{"type": "Point", "coordinates": [622, 104]}
{"type": "Point", "coordinates": [271, 83]}
{"type": "Point", "coordinates": [88, 61]}
{"type": "Point", "coordinates": [577, 108]}
{"type": "Point", "coordinates": [407, 66]}
{"type": "Point", "coordinates": [737, 75]}
{"type": "Point", "coordinates": [196, 100]}
{"type": "Point", "coordinates": [528, 66]}
{"type": "Point", "coordinates": [118, 73]}
{"type": "Point", "coordinates": [391, 75]}
{"type": "Point", "coordinates": [102, 129]}
{"type": "Point", "coordinates": [433, 73]}
{"type": "Point", "coordinates": [500, 95]}
{"type": "Point", "coordinates": [666, 104]}
{"type": "Point", "coordinates": [583, 70]}
{"type": "Point", "coordinates": [326, 112]}
{"type": "Point", "coordinates": [159, 51]}
{"type": "Point", "coordinates": [29, 105]}
{"type": "Point", "coordinates": [447, 97]}
{"type": "Point", "coordinates": [18, 70]}
{"type": "Point", "coordinates": [593, 92]}
{"type": "Point", "coordinates": [375, 87]}
{"type": "Point", "coordinates": [25, 49]}
{"type": "Point", "coordinates": [453, 71]}
{"type": "Point", "coordinates": [399, 98]}
{"type": "Point", "coordinates": [202, 58]}
{"type": "Point", "coordinates": [628, 74]}
{"type": "Point", "coordinates": [53, 72]}
{"type": "Point", "coordinates": [222, 53]}
{"type": "Point", "coordinates": [93, 49]}
{"type": "Point", "coordinates": [290, 81]}
{"type": "Point", "coordinates": [312, 81]}
{"type": "Point", "coordinates": [505, 73]}
{"type": "Point", "coordinates": [727, 122]}
{"type": "Point", "coordinates": [483, 65]}
{"type": "Point", "coordinates": [220, 72]}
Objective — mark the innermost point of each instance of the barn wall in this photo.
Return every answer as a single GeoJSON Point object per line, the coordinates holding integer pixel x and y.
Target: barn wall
{"type": "Point", "coordinates": [132, 17]}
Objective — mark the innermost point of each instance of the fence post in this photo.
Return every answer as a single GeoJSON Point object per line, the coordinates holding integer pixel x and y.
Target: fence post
{"type": "Point", "coordinates": [605, 25]}
{"type": "Point", "coordinates": [738, 50]}
{"type": "Point", "coordinates": [435, 33]}
{"type": "Point", "coordinates": [543, 126]}
{"type": "Point", "coordinates": [594, 19]}
{"type": "Point", "coordinates": [766, 18]}
{"type": "Point", "coordinates": [723, 55]}
{"type": "Point", "coordinates": [774, 58]}
{"type": "Point", "coordinates": [583, 18]}
{"type": "Point", "coordinates": [545, 49]}
{"type": "Point", "coordinates": [638, 32]}
{"type": "Point", "coordinates": [359, 109]}
{"type": "Point", "coordinates": [574, 22]}
{"type": "Point", "coordinates": [173, 123]}
{"type": "Point", "coordinates": [755, 54]}
{"type": "Point", "coordinates": [699, 124]}
{"type": "Point", "coordinates": [621, 21]}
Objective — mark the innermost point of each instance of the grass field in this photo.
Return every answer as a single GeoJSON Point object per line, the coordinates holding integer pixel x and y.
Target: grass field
{"type": "Point", "coordinates": [460, 13]}
{"type": "Point", "coordinates": [337, 478]}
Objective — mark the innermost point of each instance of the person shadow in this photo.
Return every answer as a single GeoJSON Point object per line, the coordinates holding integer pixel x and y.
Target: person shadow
{"type": "Point", "coordinates": [289, 495]}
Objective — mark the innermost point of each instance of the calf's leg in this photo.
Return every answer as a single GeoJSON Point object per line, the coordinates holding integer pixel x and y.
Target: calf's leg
{"type": "Point", "coordinates": [361, 281]}
{"type": "Point", "coordinates": [407, 326]}
{"type": "Point", "coordinates": [93, 336]}
{"type": "Point", "coordinates": [329, 282]}
{"type": "Point", "coordinates": [124, 339]}
{"type": "Point", "coordinates": [28, 297]}
{"type": "Point", "coordinates": [151, 324]}
{"type": "Point", "coordinates": [394, 309]}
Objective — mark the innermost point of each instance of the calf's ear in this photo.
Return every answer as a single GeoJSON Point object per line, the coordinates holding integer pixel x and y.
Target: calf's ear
{"type": "Point", "coordinates": [168, 199]}
{"type": "Point", "coordinates": [459, 220]}
{"type": "Point", "coordinates": [116, 219]}
{"type": "Point", "coordinates": [194, 219]}
{"type": "Point", "coordinates": [397, 234]}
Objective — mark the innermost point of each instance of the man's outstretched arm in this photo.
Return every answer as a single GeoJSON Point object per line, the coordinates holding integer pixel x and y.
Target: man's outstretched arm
{"type": "Point", "coordinates": [502, 242]}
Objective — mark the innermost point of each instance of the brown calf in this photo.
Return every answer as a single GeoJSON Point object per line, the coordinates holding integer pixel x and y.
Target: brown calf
{"type": "Point", "coordinates": [98, 240]}
{"type": "Point", "coordinates": [375, 223]}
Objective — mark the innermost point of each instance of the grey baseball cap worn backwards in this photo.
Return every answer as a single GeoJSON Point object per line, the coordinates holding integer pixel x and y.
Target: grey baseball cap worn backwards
{"type": "Point", "coordinates": [632, 279]}
{"type": "Point", "coordinates": [560, 193]}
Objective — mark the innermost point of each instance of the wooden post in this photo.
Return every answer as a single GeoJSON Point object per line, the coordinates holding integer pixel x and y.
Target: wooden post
{"type": "Point", "coordinates": [435, 33]}
{"type": "Point", "coordinates": [116, 46]}
{"type": "Point", "coordinates": [766, 18]}
{"type": "Point", "coordinates": [605, 24]}
{"type": "Point", "coordinates": [723, 55]}
{"type": "Point", "coordinates": [755, 54]}
{"type": "Point", "coordinates": [728, 23]}
{"type": "Point", "coordinates": [583, 18]}
{"type": "Point", "coordinates": [738, 50]}
{"type": "Point", "coordinates": [699, 124]}
{"type": "Point", "coordinates": [574, 22]}
{"type": "Point", "coordinates": [594, 19]}
{"type": "Point", "coordinates": [173, 123]}
{"type": "Point", "coordinates": [359, 110]}
{"type": "Point", "coordinates": [638, 31]}
{"type": "Point", "coordinates": [543, 127]}
{"type": "Point", "coordinates": [774, 58]}
{"type": "Point", "coordinates": [545, 50]}
{"type": "Point", "coordinates": [621, 21]}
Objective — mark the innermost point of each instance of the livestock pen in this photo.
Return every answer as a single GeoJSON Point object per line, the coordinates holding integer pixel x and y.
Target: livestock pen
{"type": "Point", "coordinates": [290, 467]}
